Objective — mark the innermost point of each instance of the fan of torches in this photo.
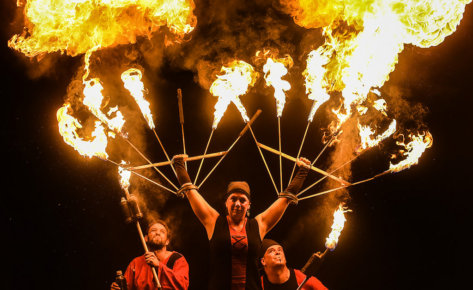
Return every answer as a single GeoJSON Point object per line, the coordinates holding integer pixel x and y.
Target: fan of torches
{"type": "Point", "coordinates": [355, 63]}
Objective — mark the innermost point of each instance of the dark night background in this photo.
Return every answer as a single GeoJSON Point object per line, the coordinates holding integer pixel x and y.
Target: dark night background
{"type": "Point", "coordinates": [60, 212]}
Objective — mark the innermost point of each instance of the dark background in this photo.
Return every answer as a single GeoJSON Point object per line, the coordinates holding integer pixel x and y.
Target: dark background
{"type": "Point", "coordinates": [60, 212]}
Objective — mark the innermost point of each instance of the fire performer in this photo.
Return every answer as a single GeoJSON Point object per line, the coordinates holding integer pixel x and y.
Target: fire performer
{"type": "Point", "coordinates": [235, 239]}
{"type": "Point", "coordinates": [277, 275]}
{"type": "Point", "coordinates": [172, 267]}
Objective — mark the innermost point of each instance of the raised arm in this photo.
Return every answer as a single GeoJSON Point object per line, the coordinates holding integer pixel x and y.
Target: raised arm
{"type": "Point", "coordinates": [206, 214]}
{"type": "Point", "coordinates": [270, 217]}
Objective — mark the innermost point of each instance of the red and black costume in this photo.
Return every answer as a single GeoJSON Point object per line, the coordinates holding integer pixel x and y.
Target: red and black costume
{"type": "Point", "coordinates": [221, 249]}
{"type": "Point", "coordinates": [295, 279]}
{"type": "Point", "coordinates": [173, 273]}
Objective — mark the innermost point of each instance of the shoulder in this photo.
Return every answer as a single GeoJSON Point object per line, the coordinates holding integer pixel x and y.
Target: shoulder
{"type": "Point", "coordinates": [299, 276]}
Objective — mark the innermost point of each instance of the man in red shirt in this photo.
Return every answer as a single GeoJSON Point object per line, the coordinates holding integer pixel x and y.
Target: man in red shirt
{"type": "Point", "coordinates": [277, 275]}
{"type": "Point", "coordinates": [171, 267]}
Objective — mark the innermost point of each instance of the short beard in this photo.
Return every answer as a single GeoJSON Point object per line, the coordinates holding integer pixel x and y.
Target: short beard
{"type": "Point", "coordinates": [155, 246]}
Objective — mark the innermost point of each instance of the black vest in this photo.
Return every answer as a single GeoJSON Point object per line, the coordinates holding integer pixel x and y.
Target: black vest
{"type": "Point", "coordinates": [221, 256]}
{"type": "Point", "coordinates": [290, 284]}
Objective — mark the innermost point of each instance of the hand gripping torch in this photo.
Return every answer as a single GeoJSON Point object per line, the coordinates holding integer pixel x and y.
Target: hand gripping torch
{"type": "Point", "coordinates": [312, 266]}
{"type": "Point", "coordinates": [133, 214]}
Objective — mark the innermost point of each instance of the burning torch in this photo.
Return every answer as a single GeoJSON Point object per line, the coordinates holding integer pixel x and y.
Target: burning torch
{"type": "Point", "coordinates": [133, 214]}
{"type": "Point", "coordinates": [315, 261]}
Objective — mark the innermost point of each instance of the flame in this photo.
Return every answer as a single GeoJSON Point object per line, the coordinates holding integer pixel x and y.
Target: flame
{"type": "Point", "coordinates": [235, 81]}
{"type": "Point", "coordinates": [366, 132]}
{"type": "Point", "coordinates": [367, 37]}
{"type": "Point", "coordinates": [274, 70]}
{"type": "Point", "coordinates": [315, 77]}
{"type": "Point", "coordinates": [132, 80]}
{"type": "Point", "coordinates": [93, 100]}
{"type": "Point", "coordinates": [68, 126]}
{"type": "Point", "coordinates": [80, 26]}
{"type": "Point", "coordinates": [124, 176]}
{"type": "Point", "coordinates": [337, 227]}
{"type": "Point", "coordinates": [413, 151]}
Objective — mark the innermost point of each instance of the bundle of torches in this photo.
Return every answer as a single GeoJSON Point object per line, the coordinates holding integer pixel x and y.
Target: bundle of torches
{"type": "Point", "coordinates": [355, 63]}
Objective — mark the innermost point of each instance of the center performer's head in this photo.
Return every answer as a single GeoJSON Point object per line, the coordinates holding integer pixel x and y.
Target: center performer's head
{"type": "Point", "coordinates": [237, 200]}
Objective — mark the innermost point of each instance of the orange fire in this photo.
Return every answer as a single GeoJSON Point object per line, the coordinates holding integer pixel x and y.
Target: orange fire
{"type": "Point", "coordinates": [366, 132]}
{"type": "Point", "coordinates": [132, 81]}
{"type": "Point", "coordinates": [68, 127]}
{"type": "Point", "coordinates": [337, 227]}
{"type": "Point", "coordinates": [274, 70]}
{"type": "Point", "coordinates": [93, 100]}
{"type": "Point", "coordinates": [413, 151]}
{"type": "Point", "coordinates": [124, 176]}
{"type": "Point", "coordinates": [315, 77]}
{"type": "Point", "coordinates": [79, 26]}
{"type": "Point", "coordinates": [228, 87]}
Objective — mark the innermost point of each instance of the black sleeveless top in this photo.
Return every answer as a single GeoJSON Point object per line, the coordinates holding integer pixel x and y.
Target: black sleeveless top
{"type": "Point", "coordinates": [221, 256]}
{"type": "Point", "coordinates": [290, 284]}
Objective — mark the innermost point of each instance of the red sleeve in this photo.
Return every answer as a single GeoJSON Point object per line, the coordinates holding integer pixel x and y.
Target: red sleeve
{"type": "Point", "coordinates": [130, 275]}
{"type": "Point", "coordinates": [311, 284]}
{"type": "Point", "coordinates": [178, 276]}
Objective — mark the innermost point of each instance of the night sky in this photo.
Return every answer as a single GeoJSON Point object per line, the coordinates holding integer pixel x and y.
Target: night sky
{"type": "Point", "coordinates": [60, 211]}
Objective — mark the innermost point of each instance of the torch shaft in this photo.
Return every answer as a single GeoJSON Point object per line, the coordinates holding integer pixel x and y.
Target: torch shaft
{"type": "Point", "coordinates": [299, 152]}
{"type": "Point", "coordinates": [137, 174]}
{"type": "Point", "coordinates": [143, 241]}
{"type": "Point", "coordinates": [255, 116]}
{"type": "Point", "coordinates": [341, 187]}
{"type": "Point", "coordinates": [205, 152]}
{"type": "Point", "coordinates": [147, 160]}
{"type": "Point", "coordinates": [264, 160]}
{"type": "Point", "coordinates": [311, 167]}
{"type": "Point", "coordinates": [181, 121]}
{"type": "Point", "coordinates": [164, 163]}
{"type": "Point", "coordinates": [323, 149]}
{"type": "Point", "coordinates": [164, 150]}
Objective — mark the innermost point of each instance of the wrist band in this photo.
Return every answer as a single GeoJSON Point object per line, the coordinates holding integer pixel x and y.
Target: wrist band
{"type": "Point", "coordinates": [185, 188]}
{"type": "Point", "coordinates": [290, 196]}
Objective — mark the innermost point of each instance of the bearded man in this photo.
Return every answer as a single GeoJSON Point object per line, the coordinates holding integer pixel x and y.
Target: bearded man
{"type": "Point", "coordinates": [171, 266]}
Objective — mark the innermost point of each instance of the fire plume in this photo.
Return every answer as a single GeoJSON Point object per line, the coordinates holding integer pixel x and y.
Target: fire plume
{"type": "Point", "coordinates": [315, 81]}
{"type": "Point", "coordinates": [93, 100]}
{"type": "Point", "coordinates": [337, 227]}
{"type": "Point", "coordinates": [124, 176]}
{"type": "Point", "coordinates": [366, 132]}
{"type": "Point", "coordinates": [68, 126]}
{"type": "Point", "coordinates": [413, 151]}
{"type": "Point", "coordinates": [274, 70]}
{"type": "Point", "coordinates": [79, 26]}
{"type": "Point", "coordinates": [132, 81]}
{"type": "Point", "coordinates": [228, 87]}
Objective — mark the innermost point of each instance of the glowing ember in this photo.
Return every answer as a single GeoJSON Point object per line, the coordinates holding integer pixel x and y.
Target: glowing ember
{"type": "Point", "coordinates": [124, 176]}
{"type": "Point", "coordinates": [93, 100]}
{"type": "Point", "coordinates": [274, 70]}
{"type": "Point", "coordinates": [132, 80]}
{"type": "Point", "coordinates": [337, 227]}
{"type": "Point", "coordinates": [315, 81]}
{"type": "Point", "coordinates": [366, 132]}
{"type": "Point", "coordinates": [413, 151]}
{"type": "Point", "coordinates": [235, 81]}
{"type": "Point", "coordinates": [68, 126]}
{"type": "Point", "coordinates": [79, 26]}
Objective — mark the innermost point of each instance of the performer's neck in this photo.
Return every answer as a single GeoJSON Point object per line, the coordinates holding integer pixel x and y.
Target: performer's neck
{"type": "Point", "coordinates": [278, 274]}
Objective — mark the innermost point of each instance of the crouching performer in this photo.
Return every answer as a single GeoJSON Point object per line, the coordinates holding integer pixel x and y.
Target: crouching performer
{"type": "Point", "coordinates": [171, 266]}
{"type": "Point", "coordinates": [277, 275]}
{"type": "Point", "coordinates": [235, 239]}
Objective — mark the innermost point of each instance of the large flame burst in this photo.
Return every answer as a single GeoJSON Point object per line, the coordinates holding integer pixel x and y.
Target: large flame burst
{"type": "Point", "coordinates": [237, 77]}
{"type": "Point", "coordinates": [79, 26]}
